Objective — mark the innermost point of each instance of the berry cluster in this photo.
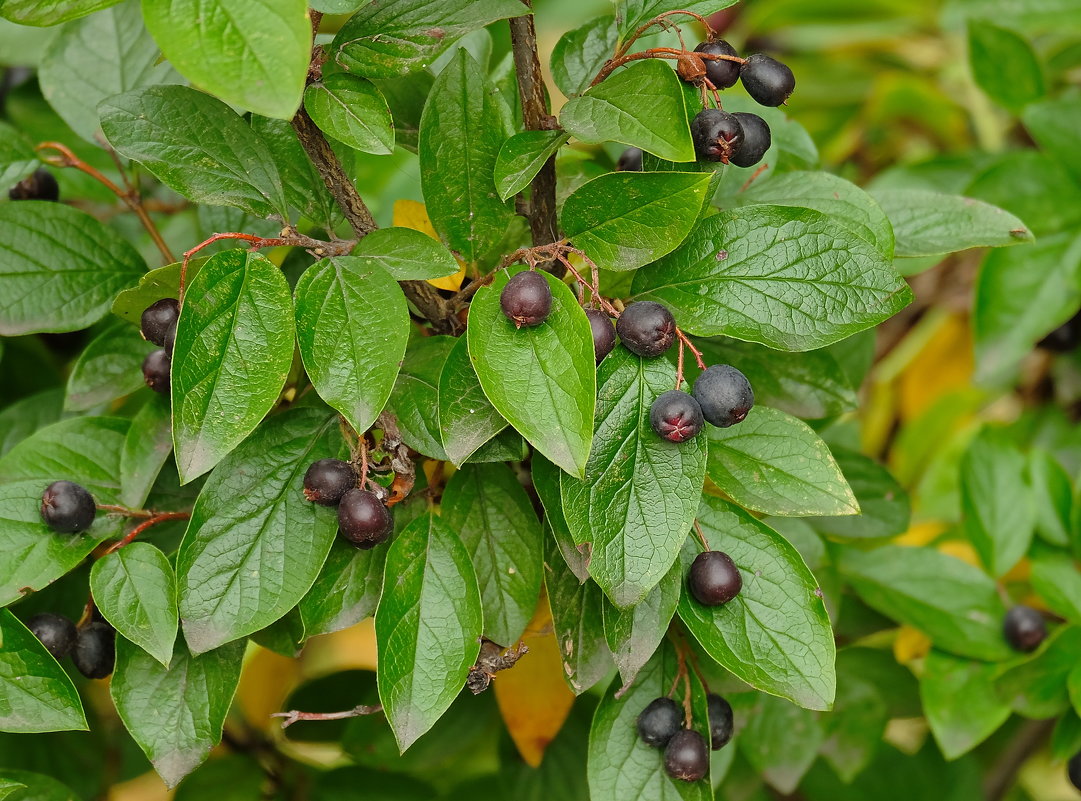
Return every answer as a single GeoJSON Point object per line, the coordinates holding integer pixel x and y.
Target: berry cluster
{"type": "Point", "coordinates": [89, 646]}
{"type": "Point", "coordinates": [158, 324]}
{"type": "Point", "coordinates": [363, 520]}
{"type": "Point", "coordinates": [686, 757]}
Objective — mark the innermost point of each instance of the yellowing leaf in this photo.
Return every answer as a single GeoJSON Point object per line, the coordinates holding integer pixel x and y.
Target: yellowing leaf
{"type": "Point", "coordinates": [961, 550]}
{"type": "Point", "coordinates": [910, 644]}
{"type": "Point", "coordinates": [265, 683]}
{"type": "Point", "coordinates": [411, 214]}
{"type": "Point", "coordinates": [349, 649]}
{"type": "Point", "coordinates": [943, 365]}
{"type": "Point", "coordinates": [921, 533]}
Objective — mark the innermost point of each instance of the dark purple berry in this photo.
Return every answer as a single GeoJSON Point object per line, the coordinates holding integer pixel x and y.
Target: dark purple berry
{"type": "Point", "coordinates": [1024, 628]}
{"type": "Point", "coordinates": [67, 507]}
{"type": "Point", "coordinates": [604, 333]}
{"type": "Point", "coordinates": [1065, 338]}
{"type": "Point", "coordinates": [630, 160]}
{"type": "Point", "coordinates": [767, 80]}
{"type": "Point", "coordinates": [94, 653]}
{"type": "Point", "coordinates": [676, 416]}
{"type": "Point", "coordinates": [363, 519]}
{"type": "Point", "coordinates": [721, 724]}
{"type": "Point", "coordinates": [39, 186]}
{"type": "Point", "coordinates": [158, 319]}
{"type": "Point", "coordinates": [170, 341]}
{"type": "Point", "coordinates": [659, 721]}
{"type": "Point", "coordinates": [526, 299]}
{"type": "Point", "coordinates": [646, 329]}
{"type": "Point", "coordinates": [724, 394]}
{"type": "Point", "coordinates": [686, 757]}
{"type": "Point", "coordinates": [1073, 770]}
{"type": "Point", "coordinates": [722, 73]}
{"type": "Point", "coordinates": [156, 368]}
{"type": "Point", "coordinates": [56, 633]}
{"type": "Point", "coordinates": [756, 140]}
{"type": "Point", "coordinates": [716, 134]}
{"type": "Point", "coordinates": [714, 578]}
{"type": "Point", "coordinates": [327, 480]}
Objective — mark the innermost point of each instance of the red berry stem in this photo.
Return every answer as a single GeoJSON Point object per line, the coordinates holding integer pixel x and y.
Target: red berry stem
{"type": "Point", "coordinates": [701, 536]}
{"type": "Point", "coordinates": [685, 340]}
{"type": "Point", "coordinates": [754, 175]}
{"type": "Point", "coordinates": [660, 20]}
{"type": "Point", "coordinates": [659, 52]}
{"type": "Point", "coordinates": [152, 521]}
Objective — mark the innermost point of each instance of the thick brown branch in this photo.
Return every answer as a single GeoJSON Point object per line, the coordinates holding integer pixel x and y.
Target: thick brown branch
{"type": "Point", "coordinates": [1024, 744]}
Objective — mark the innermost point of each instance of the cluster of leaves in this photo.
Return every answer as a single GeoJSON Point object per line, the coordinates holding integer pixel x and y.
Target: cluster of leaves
{"type": "Point", "coordinates": [532, 501]}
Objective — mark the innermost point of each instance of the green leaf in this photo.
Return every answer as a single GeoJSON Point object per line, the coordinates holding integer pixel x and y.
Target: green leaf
{"type": "Point", "coordinates": [579, 54]}
{"type": "Point", "coordinates": [775, 635]}
{"type": "Point", "coordinates": [303, 187]}
{"type": "Point", "coordinates": [7, 787]}
{"type": "Point", "coordinates": [347, 589]}
{"type": "Point", "coordinates": [467, 419]}
{"type": "Point", "coordinates": [1052, 492]}
{"type": "Point", "coordinates": [135, 590]}
{"type": "Point", "coordinates": [384, 40]}
{"type": "Point", "coordinates": [1054, 124]}
{"type": "Point", "coordinates": [546, 480]}
{"type": "Point", "coordinates": [952, 602]}
{"type": "Point", "coordinates": [1004, 65]}
{"type": "Point", "coordinates": [22, 418]}
{"type": "Point", "coordinates": [59, 268]}
{"type": "Point", "coordinates": [781, 741]}
{"type": "Point", "coordinates": [577, 609]}
{"type": "Point", "coordinates": [353, 111]}
{"type": "Point", "coordinates": [250, 53]}
{"type": "Point", "coordinates": [234, 348]}
{"type": "Point", "coordinates": [153, 286]}
{"type": "Point", "coordinates": [856, 726]}
{"type": "Point", "coordinates": [641, 105]}
{"type": "Point", "coordinates": [1033, 186]}
{"type": "Point", "coordinates": [1056, 580]}
{"type": "Point", "coordinates": [352, 326]}
{"type": "Point", "coordinates": [241, 565]}
{"type": "Point", "coordinates": [883, 503]}
{"type": "Point", "coordinates": [541, 378]}
{"type": "Point", "coordinates": [1037, 685]}
{"type": "Point", "coordinates": [776, 464]}
{"type": "Point", "coordinates": [175, 714]}
{"type": "Point", "coordinates": [462, 128]}
{"type": "Point", "coordinates": [415, 398]}
{"type": "Point", "coordinates": [406, 254]}
{"type": "Point", "coordinates": [50, 12]}
{"type": "Point", "coordinates": [428, 626]}
{"type": "Point", "coordinates": [36, 694]}
{"type": "Point", "coordinates": [790, 278]}
{"type": "Point", "coordinates": [960, 702]}
{"type": "Point", "coordinates": [108, 368]}
{"type": "Point", "coordinates": [624, 220]}
{"type": "Point", "coordinates": [632, 14]}
{"type": "Point", "coordinates": [633, 634]}
{"type": "Point", "coordinates": [147, 446]}
{"type": "Point", "coordinates": [522, 156]}
{"type": "Point", "coordinates": [25, 786]}
{"type": "Point", "coordinates": [931, 223]}
{"type": "Point", "coordinates": [17, 157]}
{"type": "Point", "coordinates": [195, 145]}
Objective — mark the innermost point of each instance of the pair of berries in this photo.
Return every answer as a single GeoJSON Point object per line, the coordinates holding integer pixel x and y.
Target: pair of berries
{"type": "Point", "coordinates": [363, 520]}
{"type": "Point", "coordinates": [41, 185]}
{"type": "Point", "coordinates": [765, 78]}
{"type": "Point", "coordinates": [660, 725]}
{"type": "Point", "coordinates": [91, 648]}
{"type": "Point", "coordinates": [158, 325]}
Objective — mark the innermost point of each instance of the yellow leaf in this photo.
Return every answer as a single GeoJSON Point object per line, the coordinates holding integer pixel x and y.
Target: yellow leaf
{"type": "Point", "coordinates": [411, 214]}
{"type": "Point", "coordinates": [921, 533]}
{"type": "Point", "coordinates": [942, 366]}
{"type": "Point", "coordinates": [349, 649]}
{"type": "Point", "coordinates": [961, 550]}
{"type": "Point", "coordinates": [265, 683]}
{"type": "Point", "coordinates": [911, 644]}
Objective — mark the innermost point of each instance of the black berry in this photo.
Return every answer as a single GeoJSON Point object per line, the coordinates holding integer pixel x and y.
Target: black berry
{"type": "Point", "coordinates": [1024, 628]}
{"type": "Point", "coordinates": [720, 721]}
{"type": "Point", "coordinates": [156, 368]}
{"type": "Point", "coordinates": [722, 73]}
{"type": "Point", "coordinates": [659, 722]}
{"type": "Point", "coordinates": [714, 578]}
{"type": "Point", "coordinates": [686, 757]}
{"type": "Point", "coordinates": [1065, 338]}
{"type": "Point", "coordinates": [363, 519]}
{"type": "Point", "coordinates": [39, 186]}
{"type": "Point", "coordinates": [767, 80]}
{"type": "Point", "coordinates": [646, 329]}
{"type": "Point", "coordinates": [1073, 770]}
{"type": "Point", "coordinates": [756, 140]}
{"type": "Point", "coordinates": [676, 416]}
{"type": "Point", "coordinates": [526, 299]}
{"type": "Point", "coordinates": [328, 480]}
{"type": "Point", "coordinates": [604, 333]}
{"type": "Point", "coordinates": [56, 633]}
{"type": "Point", "coordinates": [67, 507]}
{"type": "Point", "coordinates": [630, 160]}
{"type": "Point", "coordinates": [94, 654]}
{"type": "Point", "coordinates": [158, 319]}
{"type": "Point", "coordinates": [717, 135]}
{"type": "Point", "coordinates": [725, 395]}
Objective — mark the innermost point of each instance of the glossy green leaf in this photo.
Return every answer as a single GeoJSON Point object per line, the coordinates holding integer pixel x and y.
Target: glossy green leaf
{"type": "Point", "coordinates": [790, 278]}
{"type": "Point", "coordinates": [347, 589]}
{"type": "Point", "coordinates": [427, 626]}
{"type": "Point", "coordinates": [415, 398]}
{"type": "Point", "coordinates": [241, 565]}
{"type": "Point", "coordinates": [109, 367]}
{"type": "Point", "coordinates": [406, 254]}
{"type": "Point", "coordinates": [579, 54]}
{"type": "Point", "coordinates": [301, 183]}
{"type": "Point", "coordinates": [1053, 124]}
{"type": "Point", "coordinates": [17, 157]}
{"type": "Point", "coordinates": [960, 702]}
{"type": "Point", "coordinates": [1033, 186]}
{"type": "Point", "coordinates": [1052, 493]}
{"type": "Point", "coordinates": [1038, 685]}
{"type": "Point", "coordinates": [633, 634]}
{"type": "Point", "coordinates": [857, 724]}
{"type": "Point", "coordinates": [1056, 580]}
{"type": "Point", "coordinates": [21, 419]}
{"type": "Point", "coordinates": [467, 419]}
{"type": "Point", "coordinates": [1004, 65]}
{"type": "Point", "coordinates": [9, 786]}
{"type": "Point", "coordinates": [234, 347]}
{"type": "Point", "coordinates": [36, 694]}
{"type": "Point", "coordinates": [522, 156]}
{"type": "Point", "coordinates": [50, 12]}
{"type": "Point", "coordinates": [153, 285]}
{"type": "Point", "coordinates": [632, 14]}
{"type": "Point", "coordinates": [541, 378]}
{"type": "Point", "coordinates": [352, 328]}
{"type": "Point", "coordinates": [546, 481]}
{"type": "Point", "coordinates": [147, 447]}
{"type": "Point", "coordinates": [883, 503]}
{"type": "Point", "coordinates": [353, 111]}
{"type": "Point", "coordinates": [781, 741]}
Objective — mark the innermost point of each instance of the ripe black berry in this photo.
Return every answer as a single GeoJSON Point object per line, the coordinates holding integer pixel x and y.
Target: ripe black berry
{"type": "Point", "coordinates": [156, 367]}
{"type": "Point", "coordinates": [720, 721]}
{"type": "Point", "coordinates": [1024, 628]}
{"type": "Point", "coordinates": [767, 80]}
{"type": "Point", "coordinates": [94, 655]}
{"type": "Point", "coordinates": [363, 519]}
{"type": "Point", "coordinates": [686, 757]}
{"type": "Point", "coordinates": [1073, 770]}
{"type": "Point", "coordinates": [725, 395]}
{"type": "Point", "coordinates": [756, 140]}
{"type": "Point", "coordinates": [716, 134]}
{"type": "Point", "coordinates": [630, 160]}
{"type": "Point", "coordinates": [39, 186]}
{"type": "Point", "coordinates": [676, 416]}
{"type": "Point", "coordinates": [1065, 338]}
{"type": "Point", "coordinates": [659, 722]}
{"type": "Point", "coordinates": [158, 319]}
{"type": "Point", "coordinates": [604, 333]}
{"type": "Point", "coordinates": [714, 578]}
{"type": "Point", "coordinates": [720, 72]}
{"type": "Point", "coordinates": [526, 299]}
{"type": "Point", "coordinates": [328, 480]}
{"type": "Point", "coordinates": [67, 507]}
{"type": "Point", "coordinates": [56, 633]}
{"type": "Point", "coordinates": [646, 328]}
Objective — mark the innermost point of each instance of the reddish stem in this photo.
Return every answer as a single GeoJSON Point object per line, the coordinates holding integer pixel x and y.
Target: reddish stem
{"type": "Point", "coordinates": [659, 20]}
{"type": "Point", "coordinates": [295, 715]}
{"type": "Point", "coordinates": [701, 535]}
{"type": "Point", "coordinates": [123, 510]}
{"type": "Point", "coordinates": [754, 175]}
{"type": "Point", "coordinates": [139, 529]}
{"type": "Point", "coordinates": [657, 52]}
{"type": "Point", "coordinates": [679, 366]}
{"type": "Point", "coordinates": [683, 338]}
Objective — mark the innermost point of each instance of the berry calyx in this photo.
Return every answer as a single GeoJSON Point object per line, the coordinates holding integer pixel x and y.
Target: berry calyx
{"type": "Point", "coordinates": [630, 160]}
{"type": "Point", "coordinates": [156, 368]}
{"type": "Point", "coordinates": [157, 320]}
{"type": "Point", "coordinates": [41, 185]}
{"type": "Point", "coordinates": [721, 724]}
{"type": "Point", "coordinates": [720, 72]}
{"type": "Point", "coordinates": [716, 134]}
{"type": "Point", "coordinates": [659, 722]}
{"type": "Point", "coordinates": [1073, 770]}
{"type": "Point", "coordinates": [767, 80]}
{"type": "Point", "coordinates": [604, 333]}
{"type": "Point", "coordinates": [646, 329]}
{"type": "Point", "coordinates": [714, 578]}
{"type": "Point", "coordinates": [327, 480]}
{"type": "Point", "coordinates": [67, 507]}
{"type": "Point", "coordinates": [724, 394]}
{"type": "Point", "coordinates": [56, 633]}
{"type": "Point", "coordinates": [526, 299]}
{"type": "Point", "coordinates": [1024, 628]}
{"type": "Point", "coordinates": [363, 519]}
{"type": "Point", "coordinates": [94, 653]}
{"type": "Point", "coordinates": [756, 140]}
{"type": "Point", "coordinates": [686, 757]}
{"type": "Point", "coordinates": [676, 416]}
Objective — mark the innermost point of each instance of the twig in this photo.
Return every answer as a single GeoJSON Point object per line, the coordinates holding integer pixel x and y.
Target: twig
{"type": "Point", "coordinates": [139, 529]}
{"type": "Point", "coordinates": [701, 535]}
{"type": "Point", "coordinates": [291, 717]}
{"type": "Point", "coordinates": [754, 175]}
{"type": "Point", "coordinates": [686, 340]}
{"type": "Point", "coordinates": [660, 20]}
{"type": "Point", "coordinates": [659, 52]}
{"type": "Point", "coordinates": [123, 510]}
{"type": "Point", "coordinates": [1004, 771]}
